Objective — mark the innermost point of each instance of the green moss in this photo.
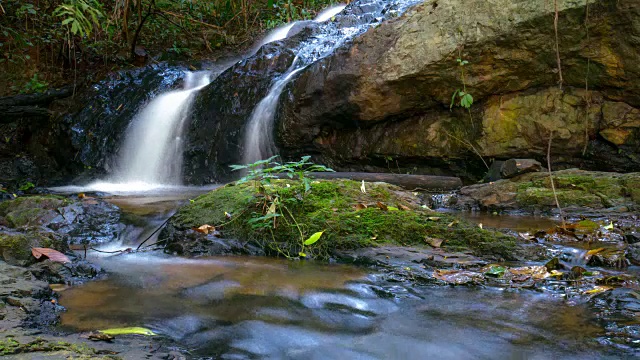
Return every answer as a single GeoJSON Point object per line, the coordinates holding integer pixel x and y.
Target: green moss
{"type": "Point", "coordinates": [16, 246]}
{"type": "Point", "coordinates": [11, 346]}
{"type": "Point", "coordinates": [331, 207]}
{"type": "Point", "coordinates": [49, 202]}
{"type": "Point", "coordinates": [578, 188]}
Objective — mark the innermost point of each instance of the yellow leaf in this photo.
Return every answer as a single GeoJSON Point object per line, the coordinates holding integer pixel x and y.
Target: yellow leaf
{"type": "Point", "coordinates": [128, 331]}
{"type": "Point", "coordinates": [595, 251]}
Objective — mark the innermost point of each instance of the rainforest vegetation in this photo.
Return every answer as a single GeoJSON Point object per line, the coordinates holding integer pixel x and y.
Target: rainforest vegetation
{"type": "Point", "coordinates": [43, 43]}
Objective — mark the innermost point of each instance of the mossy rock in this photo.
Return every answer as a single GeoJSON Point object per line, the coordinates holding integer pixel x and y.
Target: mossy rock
{"type": "Point", "coordinates": [57, 349]}
{"type": "Point", "coordinates": [31, 210]}
{"type": "Point", "coordinates": [330, 206]}
{"type": "Point", "coordinates": [15, 247]}
{"type": "Point", "coordinates": [576, 189]}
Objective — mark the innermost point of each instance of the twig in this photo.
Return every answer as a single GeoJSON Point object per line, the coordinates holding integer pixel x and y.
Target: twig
{"type": "Point", "coordinates": [110, 252]}
{"type": "Point", "coordinates": [555, 27]}
{"type": "Point", "coordinates": [553, 186]}
{"type": "Point", "coordinates": [193, 20]}
{"type": "Point", "coordinates": [153, 233]}
{"type": "Point", "coordinates": [587, 98]}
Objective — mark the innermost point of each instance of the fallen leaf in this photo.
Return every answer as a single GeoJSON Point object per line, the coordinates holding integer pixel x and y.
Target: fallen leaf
{"type": "Point", "coordinates": [454, 222]}
{"type": "Point", "coordinates": [556, 273]}
{"type": "Point", "coordinates": [205, 229]}
{"type": "Point", "coordinates": [382, 206]}
{"type": "Point", "coordinates": [403, 207]}
{"type": "Point", "coordinates": [536, 272]}
{"type": "Point", "coordinates": [494, 270]}
{"type": "Point", "coordinates": [362, 188]}
{"type": "Point", "coordinates": [595, 251]}
{"type": "Point", "coordinates": [436, 243]}
{"type": "Point", "coordinates": [53, 255]}
{"type": "Point", "coordinates": [433, 218]}
{"type": "Point", "coordinates": [81, 196]}
{"type": "Point", "coordinates": [609, 227]}
{"type": "Point", "coordinates": [360, 207]}
{"type": "Point", "coordinates": [128, 331]}
{"type": "Point", "coordinates": [598, 290]}
{"type": "Point", "coordinates": [457, 277]}
{"type": "Point", "coordinates": [392, 208]}
{"type": "Point", "coordinates": [101, 337]}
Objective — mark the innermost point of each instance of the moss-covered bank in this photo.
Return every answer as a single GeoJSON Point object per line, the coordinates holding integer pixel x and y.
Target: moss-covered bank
{"type": "Point", "coordinates": [577, 191]}
{"type": "Point", "coordinates": [352, 219]}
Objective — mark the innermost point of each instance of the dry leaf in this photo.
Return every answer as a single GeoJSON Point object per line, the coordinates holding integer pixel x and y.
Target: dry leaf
{"type": "Point", "coordinates": [53, 255]}
{"type": "Point", "coordinates": [436, 243]}
{"type": "Point", "coordinates": [205, 229]}
{"type": "Point", "coordinates": [382, 206]}
{"type": "Point", "coordinates": [101, 337]}
{"type": "Point", "coordinates": [360, 207]}
{"type": "Point", "coordinates": [403, 207]}
{"type": "Point", "coordinates": [595, 251]}
{"type": "Point", "coordinates": [81, 196]}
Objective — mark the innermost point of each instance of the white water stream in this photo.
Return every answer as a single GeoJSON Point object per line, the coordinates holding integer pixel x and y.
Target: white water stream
{"type": "Point", "coordinates": [151, 156]}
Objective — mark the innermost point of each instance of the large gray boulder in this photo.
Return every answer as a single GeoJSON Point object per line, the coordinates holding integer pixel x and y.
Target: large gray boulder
{"type": "Point", "coordinates": [387, 96]}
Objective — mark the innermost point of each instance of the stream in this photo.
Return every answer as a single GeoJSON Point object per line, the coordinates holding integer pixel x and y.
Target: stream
{"type": "Point", "coordinates": [253, 307]}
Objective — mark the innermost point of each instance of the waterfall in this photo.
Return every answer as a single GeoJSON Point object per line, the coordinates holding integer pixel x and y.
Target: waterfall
{"type": "Point", "coordinates": [151, 156]}
{"type": "Point", "coordinates": [258, 133]}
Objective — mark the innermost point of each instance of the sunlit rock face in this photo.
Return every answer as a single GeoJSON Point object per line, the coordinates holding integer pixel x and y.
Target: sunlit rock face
{"type": "Point", "coordinates": [388, 95]}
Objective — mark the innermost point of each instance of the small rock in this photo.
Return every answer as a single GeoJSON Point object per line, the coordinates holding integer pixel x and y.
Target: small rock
{"type": "Point", "coordinates": [174, 355]}
{"type": "Point", "coordinates": [13, 301]}
{"type": "Point", "coordinates": [514, 167]}
{"type": "Point", "coordinates": [632, 238]}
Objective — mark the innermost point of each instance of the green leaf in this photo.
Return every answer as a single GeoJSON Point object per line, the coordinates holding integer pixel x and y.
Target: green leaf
{"type": "Point", "coordinates": [313, 238]}
{"type": "Point", "coordinates": [453, 99]}
{"type": "Point", "coordinates": [128, 331]}
{"type": "Point", "coordinates": [466, 101]}
{"type": "Point", "coordinates": [391, 208]}
{"type": "Point", "coordinates": [495, 271]}
{"type": "Point", "coordinates": [301, 254]}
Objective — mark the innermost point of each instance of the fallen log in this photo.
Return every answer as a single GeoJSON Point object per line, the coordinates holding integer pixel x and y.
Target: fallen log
{"type": "Point", "coordinates": [42, 99]}
{"type": "Point", "coordinates": [424, 182]}
{"type": "Point", "coordinates": [8, 114]}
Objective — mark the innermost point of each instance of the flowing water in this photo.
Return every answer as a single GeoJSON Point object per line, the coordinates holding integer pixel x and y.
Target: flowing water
{"type": "Point", "coordinates": [150, 159]}
{"type": "Point", "coordinates": [263, 308]}
{"type": "Point", "coordinates": [259, 143]}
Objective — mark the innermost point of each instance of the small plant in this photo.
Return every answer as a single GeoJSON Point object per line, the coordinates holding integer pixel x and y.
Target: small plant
{"type": "Point", "coordinates": [35, 85]}
{"type": "Point", "coordinates": [274, 200]}
{"type": "Point", "coordinates": [26, 186]}
{"type": "Point", "coordinates": [466, 100]}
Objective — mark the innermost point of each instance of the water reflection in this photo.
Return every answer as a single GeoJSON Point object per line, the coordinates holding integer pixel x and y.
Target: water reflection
{"type": "Point", "coordinates": [237, 307]}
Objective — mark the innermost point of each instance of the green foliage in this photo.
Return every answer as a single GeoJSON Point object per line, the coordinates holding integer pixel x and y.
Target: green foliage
{"type": "Point", "coordinates": [465, 99]}
{"type": "Point", "coordinates": [35, 85]}
{"type": "Point", "coordinates": [331, 208]}
{"type": "Point", "coordinates": [26, 186]}
{"type": "Point", "coordinates": [274, 201]}
{"type": "Point", "coordinates": [80, 16]}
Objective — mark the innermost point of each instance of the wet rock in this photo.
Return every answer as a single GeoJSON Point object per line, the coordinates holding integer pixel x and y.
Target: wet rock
{"type": "Point", "coordinates": [86, 220]}
{"type": "Point", "coordinates": [515, 167]}
{"type": "Point", "coordinates": [388, 95]}
{"type": "Point", "coordinates": [632, 238]}
{"type": "Point", "coordinates": [624, 300]}
{"type": "Point", "coordinates": [578, 192]}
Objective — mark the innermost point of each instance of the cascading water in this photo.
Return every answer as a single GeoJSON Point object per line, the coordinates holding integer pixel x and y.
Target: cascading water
{"type": "Point", "coordinates": [258, 135]}
{"type": "Point", "coordinates": [151, 156]}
